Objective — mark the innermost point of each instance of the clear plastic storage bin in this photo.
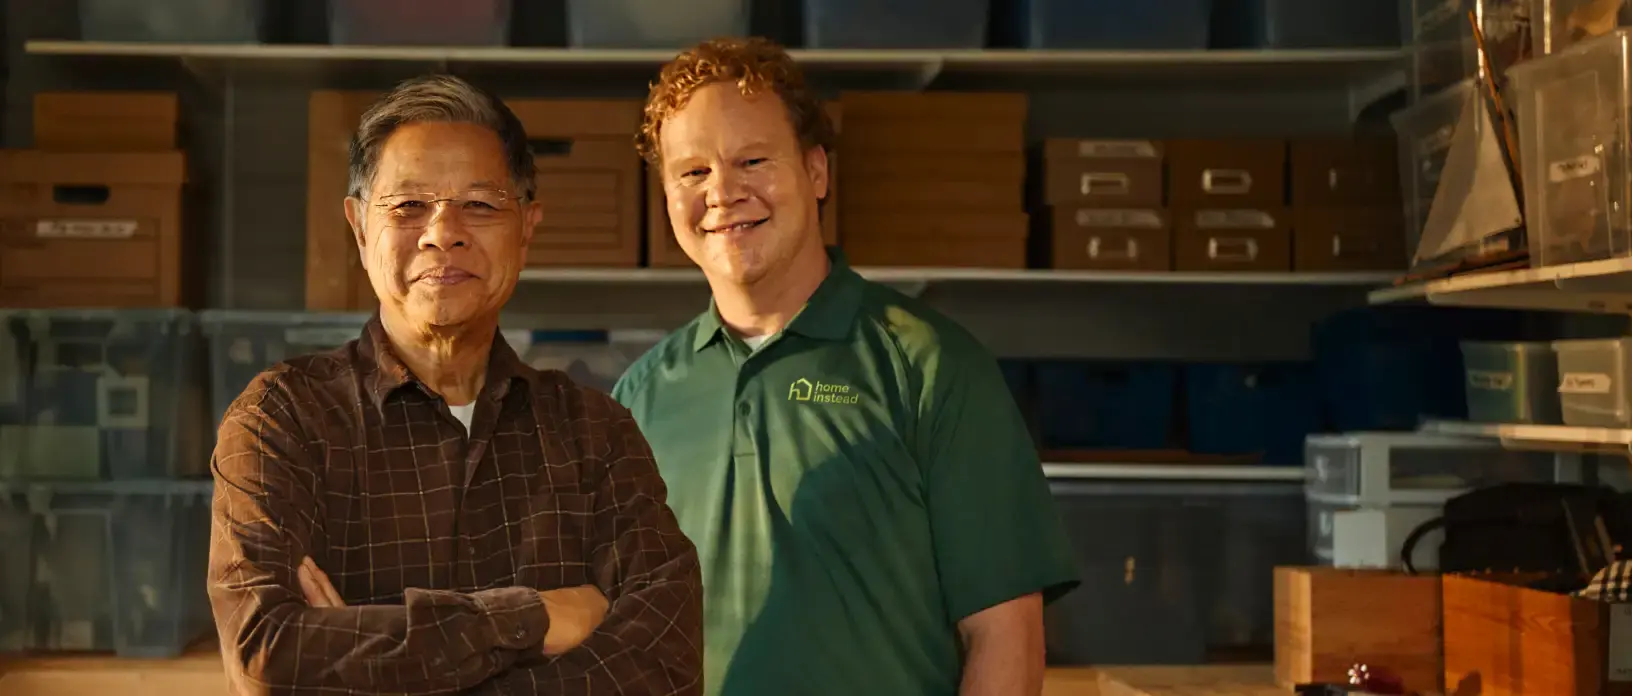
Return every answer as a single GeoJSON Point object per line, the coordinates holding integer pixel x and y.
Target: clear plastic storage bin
{"type": "Point", "coordinates": [420, 22]}
{"type": "Point", "coordinates": [173, 21]}
{"type": "Point", "coordinates": [1188, 568]}
{"type": "Point", "coordinates": [1382, 469]}
{"type": "Point", "coordinates": [594, 359]}
{"type": "Point", "coordinates": [653, 23]}
{"type": "Point", "coordinates": [1511, 382]}
{"type": "Point", "coordinates": [897, 23]}
{"type": "Point", "coordinates": [1425, 130]}
{"type": "Point", "coordinates": [1325, 518]}
{"type": "Point", "coordinates": [1114, 24]}
{"type": "Point", "coordinates": [1592, 382]}
{"type": "Point", "coordinates": [1572, 111]}
{"type": "Point", "coordinates": [1559, 24]}
{"type": "Point", "coordinates": [101, 394]}
{"type": "Point", "coordinates": [117, 566]}
{"type": "Point", "coordinates": [1443, 49]}
{"type": "Point", "coordinates": [243, 344]}
{"type": "Point", "coordinates": [1306, 23]}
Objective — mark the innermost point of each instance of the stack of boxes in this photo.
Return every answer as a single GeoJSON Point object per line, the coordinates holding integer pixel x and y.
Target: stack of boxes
{"type": "Point", "coordinates": [1221, 205]}
{"type": "Point", "coordinates": [99, 384]}
{"type": "Point", "coordinates": [934, 179]}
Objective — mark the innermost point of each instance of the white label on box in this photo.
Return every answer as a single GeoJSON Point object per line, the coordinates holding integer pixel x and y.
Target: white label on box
{"type": "Point", "coordinates": [1574, 168]}
{"type": "Point", "coordinates": [1585, 383]}
{"type": "Point", "coordinates": [1486, 379]}
{"type": "Point", "coordinates": [1115, 148]}
{"type": "Point", "coordinates": [1234, 219]}
{"type": "Point", "coordinates": [85, 229]}
{"type": "Point", "coordinates": [1620, 643]}
{"type": "Point", "coordinates": [1102, 217]}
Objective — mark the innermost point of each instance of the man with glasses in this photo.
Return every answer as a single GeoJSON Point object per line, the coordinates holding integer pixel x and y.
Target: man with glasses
{"type": "Point", "coordinates": [419, 511]}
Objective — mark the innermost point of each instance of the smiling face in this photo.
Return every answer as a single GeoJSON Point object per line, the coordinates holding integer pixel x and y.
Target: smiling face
{"type": "Point", "coordinates": [742, 192]}
{"type": "Point", "coordinates": [442, 241]}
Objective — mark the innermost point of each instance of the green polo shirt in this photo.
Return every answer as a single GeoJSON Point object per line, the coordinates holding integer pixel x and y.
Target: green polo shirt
{"type": "Point", "coordinates": [855, 487]}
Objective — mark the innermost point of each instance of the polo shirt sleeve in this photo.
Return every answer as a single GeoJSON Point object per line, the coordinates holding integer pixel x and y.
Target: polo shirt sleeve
{"type": "Point", "coordinates": [997, 534]}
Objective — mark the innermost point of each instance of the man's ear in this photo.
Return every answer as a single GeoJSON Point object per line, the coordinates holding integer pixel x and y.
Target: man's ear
{"type": "Point", "coordinates": [356, 217]}
{"type": "Point", "coordinates": [532, 213]}
{"type": "Point", "coordinates": [816, 169]}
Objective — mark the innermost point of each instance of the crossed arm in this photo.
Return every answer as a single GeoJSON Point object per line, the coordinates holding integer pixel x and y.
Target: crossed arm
{"type": "Point", "coordinates": [275, 642]}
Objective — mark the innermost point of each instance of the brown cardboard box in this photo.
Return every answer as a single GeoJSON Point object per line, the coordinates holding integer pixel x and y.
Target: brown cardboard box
{"type": "Point", "coordinates": [93, 230]}
{"type": "Point", "coordinates": [1103, 173]}
{"type": "Point", "coordinates": [1226, 173]}
{"type": "Point", "coordinates": [934, 123]}
{"type": "Point", "coordinates": [662, 251]}
{"type": "Point", "coordinates": [1506, 640]}
{"type": "Point", "coordinates": [589, 184]}
{"type": "Point", "coordinates": [1350, 238]}
{"type": "Point", "coordinates": [1328, 619]}
{"type": "Point", "coordinates": [1341, 172]}
{"type": "Point", "coordinates": [1112, 239]}
{"type": "Point", "coordinates": [1232, 240]}
{"type": "Point", "coordinates": [105, 121]}
{"type": "Point", "coordinates": [589, 181]}
{"type": "Point", "coordinates": [958, 239]}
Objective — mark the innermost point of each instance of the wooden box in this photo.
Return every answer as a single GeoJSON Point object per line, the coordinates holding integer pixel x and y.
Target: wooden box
{"type": "Point", "coordinates": [1349, 238]}
{"type": "Point", "coordinates": [105, 121]}
{"type": "Point", "coordinates": [1226, 173]}
{"type": "Point", "coordinates": [1103, 173]}
{"type": "Point", "coordinates": [1109, 239]}
{"type": "Point", "coordinates": [1328, 619]}
{"type": "Point", "coordinates": [1506, 640]}
{"type": "Point", "coordinates": [81, 229]}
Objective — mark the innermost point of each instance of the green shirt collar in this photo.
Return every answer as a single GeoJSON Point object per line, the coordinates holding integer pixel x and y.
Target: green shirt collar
{"type": "Point", "coordinates": [828, 314]}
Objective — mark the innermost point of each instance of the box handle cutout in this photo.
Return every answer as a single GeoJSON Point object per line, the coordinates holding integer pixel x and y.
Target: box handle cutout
{"type": "Point", "coordinates": [1097, 249]}
{"type": "Point", "coordinates": [80, 194]}
{"type": "Point", "coordinates": [550, 147]}
{"type": "Point", "coordinates": [1105, 184]}
{"type": "Point", "coordinates": [1232, 248]}
{"type": "Point", "coordinates": [1226, 182]}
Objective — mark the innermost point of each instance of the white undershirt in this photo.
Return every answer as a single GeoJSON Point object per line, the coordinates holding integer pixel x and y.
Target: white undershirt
{"type": "Point", "coordinates": [465, 414]}
{"type": "Point", "coordinates": [754, 342]}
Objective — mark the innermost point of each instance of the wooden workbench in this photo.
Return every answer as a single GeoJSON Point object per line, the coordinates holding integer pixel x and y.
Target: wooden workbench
{"type": "Point", "coordinates": [199, 674]}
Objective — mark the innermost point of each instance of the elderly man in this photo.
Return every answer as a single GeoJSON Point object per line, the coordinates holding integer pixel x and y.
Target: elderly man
{"type": "Point", "coordinates": [420, 512]}
{"type": "Point", "coordinates": [869, 508]}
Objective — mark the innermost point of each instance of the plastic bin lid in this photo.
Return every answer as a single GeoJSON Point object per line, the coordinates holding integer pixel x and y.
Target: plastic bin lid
{"type": "Point", "coordinates": [1397, 439]}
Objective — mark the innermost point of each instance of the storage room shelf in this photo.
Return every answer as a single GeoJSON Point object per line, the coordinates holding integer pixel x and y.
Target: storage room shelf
{"type": "Point", "coordinates": [1560, 437]}
{"type": "Point", "coordinates": [1199, 68]}
{"type": "Point", "coordinates": [976, 275]}
{"type": "Point", "coordinates": [1172, 472]}
{"type": "Point", "coordinates": [1603, 287]}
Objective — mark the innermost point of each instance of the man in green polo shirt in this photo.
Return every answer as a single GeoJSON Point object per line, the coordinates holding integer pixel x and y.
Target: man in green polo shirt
{"type": "Point", "coordinates": [868, 506]}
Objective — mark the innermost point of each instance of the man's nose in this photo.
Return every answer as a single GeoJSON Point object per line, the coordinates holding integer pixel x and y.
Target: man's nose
{"type": "Point", "coordinates": [444, 230]}
{"type": "Point", "coordinates": [725, 187]}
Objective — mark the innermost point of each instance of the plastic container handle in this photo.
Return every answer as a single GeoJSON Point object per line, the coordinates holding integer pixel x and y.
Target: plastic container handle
{"type": "Point", "coordinates": [1232, 248]}
{"type": "Point", "coordinates": [1097, 250]}
{"type": "Point", "coordinates": [1226, 182]}
{"type": "Point", "coordinates": [1105, 184]}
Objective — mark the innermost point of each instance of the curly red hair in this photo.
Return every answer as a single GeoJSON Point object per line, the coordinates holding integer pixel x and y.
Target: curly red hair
{"type": "Point", "coordinates": [756, 66]}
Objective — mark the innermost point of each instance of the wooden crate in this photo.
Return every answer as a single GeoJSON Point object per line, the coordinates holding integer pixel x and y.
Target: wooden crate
{"type": "Point", "coordinates": [1328, 619]}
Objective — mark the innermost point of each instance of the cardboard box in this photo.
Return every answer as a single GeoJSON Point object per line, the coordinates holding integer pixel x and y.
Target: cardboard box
{"type": "Point", "coordinates": [949, 240]}
{"type": "Point", "coordinates": [94, 230]}
{"type": "Point", "coordinates": [1103, 173]}
{"type": "Point", "coordinates": [105, 121]}
{"type": "Point", "coordinates": [1348, 238]}
{"type": "Point", "coordinates": [1109, 239]}
{"type": "Point", "coordinates": [1503, 639]}
{"type": "Point", "coordinates": [1341, 172]}
{"type": "Point", "coordinates": [1328, 619]}
{"type": "Point", "coordinates": [1232, 240]}
{"type": "Point", "coordinates": [1226, 173]}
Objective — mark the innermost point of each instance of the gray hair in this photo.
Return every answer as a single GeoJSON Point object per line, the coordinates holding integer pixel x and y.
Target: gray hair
{"type": "Point", "coordinates": [439, 99]}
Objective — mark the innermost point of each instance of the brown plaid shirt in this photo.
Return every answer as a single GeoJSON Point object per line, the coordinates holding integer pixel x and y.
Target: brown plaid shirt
{"type": "Point", "coordinates": [438, 542]}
